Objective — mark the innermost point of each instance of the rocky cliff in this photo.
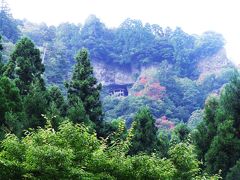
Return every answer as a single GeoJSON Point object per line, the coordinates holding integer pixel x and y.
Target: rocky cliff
{"type": "Point", "coordinates": [114, 74]}
{"type": "Point", "coordinates": [108, 74]}
{"type": "Point", "coordinates": [213, 64]}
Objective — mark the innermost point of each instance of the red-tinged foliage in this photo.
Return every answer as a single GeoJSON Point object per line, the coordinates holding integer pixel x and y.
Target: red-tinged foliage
{"type": "Point", "coordinates": [155, 91]}
{"type": "Point", "coordinates": [143, 80]}
{"type": "Point", "coordinates": [163, 122]}
{"type": "Point", "coordinates": [157, 86]}
{"type": "Point", "coordinates": [138, 94]}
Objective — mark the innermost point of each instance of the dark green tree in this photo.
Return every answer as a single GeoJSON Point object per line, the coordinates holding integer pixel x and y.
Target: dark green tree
{"type": "Point", "coordinates": [163, 142]}
{"type": "Point", "coordinates": [83, 88]}
{"type": "Point", "coordinates": [77, 113]}
{"type": "Point", "coordinates": [57, 106]}
{"type": "Point", "coordinates": [180, 133]}
{"type": "Point", "coordinates": [145, 133]}
{"type": "Point", "coordinates": [224, 150]}
{"type": "Point", "coordinates": [55, 96]}
{"type": "Point", "coordinates": [1, 60]}
{"type": "Point", "coordinates": [11, 107]}
{"type": "Point", "coordinates": [217, 137]}
{"type": "Point", "coordinates": [205, 131]}
{"type": "Point", "coordinates": [36, 105]}
{"type": "Point", "coordinates": [234, 172]}
{"type": "Point", "coordinates": [25, 65]}
{"type": "Point", "coordinates": [230, 100]}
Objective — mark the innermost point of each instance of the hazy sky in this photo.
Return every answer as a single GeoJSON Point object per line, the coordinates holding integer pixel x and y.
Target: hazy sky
{"type": "Point", "coordinates": [194, 16]}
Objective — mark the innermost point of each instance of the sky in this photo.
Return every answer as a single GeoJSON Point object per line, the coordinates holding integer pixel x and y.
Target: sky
{"type": "Point", "coordinates": [193, 16]}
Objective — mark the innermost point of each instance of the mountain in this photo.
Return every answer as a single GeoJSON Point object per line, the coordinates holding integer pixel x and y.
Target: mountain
{"type": "Point", "coordinates": [138, 64]}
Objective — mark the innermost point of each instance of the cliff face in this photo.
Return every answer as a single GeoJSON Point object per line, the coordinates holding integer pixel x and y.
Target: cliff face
{"type": "Point", "coordinates": [213, 64]}
{"type": "Point", "coordinates": [108, 74]}
{"type": "Point", "coordinates": [111, 74]}
{"type": "Point", "coordinates": [160, 87]}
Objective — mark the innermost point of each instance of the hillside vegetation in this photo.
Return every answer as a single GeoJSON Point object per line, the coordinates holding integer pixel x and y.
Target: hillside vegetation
{"type": "Point", "coordinates": [180, 119]}
{"type": "Point", "coordinates": [183, 69]}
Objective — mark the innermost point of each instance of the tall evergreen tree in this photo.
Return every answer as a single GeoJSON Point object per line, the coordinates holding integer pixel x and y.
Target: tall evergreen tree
{"type": "Point", "coordinates": [145, 134]}
{"type": "Point", "coordinates": [217, 138]}
{"type": "Point", "coordinates": [206, 130]}
{"type": "Point", "coordinates": [55, 96]}
{"type": "Point", "coordinates": [84, 88]}
{"type": "Point", "coordinates": [224, 150]}
{"type": "Point", "coordinates": [25, 65]}
{"type": "Point", "coordinates": [230, 100]}
{"type": "Point", "coordinates": [11, 108]}
{"type": "Point", "coordinates": [36, 105]}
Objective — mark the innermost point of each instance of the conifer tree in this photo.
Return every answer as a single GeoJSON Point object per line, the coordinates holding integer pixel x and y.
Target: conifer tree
{"type": "Point", "coordinates": [25, 65]}
{"type": "Point", "coordinates": [145, 133]}
{"type": "Point", "coordinates": [206, 130]}
{"type": "Point", "coordinates": [55, 96]}
{"type": "Point", "coordinates": [36, 105]}
{"type": "Point", "coordinates": [83, 88]}
{"type": "Point", "coordinates": [217, 137]}
{"type": "Point", "coordinates": [224, 150]}
{"type": "Point", "coordinates": [11, 108]}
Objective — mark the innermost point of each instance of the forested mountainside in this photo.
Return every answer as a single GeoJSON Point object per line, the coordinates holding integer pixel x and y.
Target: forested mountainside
{"type": "Point", "coordinates": [129, 126]}
{"type": "Point", "coordinates": [171, 71]}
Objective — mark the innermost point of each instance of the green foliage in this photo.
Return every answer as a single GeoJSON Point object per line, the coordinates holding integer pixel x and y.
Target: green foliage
{"type": "Point", "coordinates": [35, 105]}
{"type": "Point", "coordinates": [25, 65]}
{"type": "Point", "coordinates": [224, 150]}
{"type": "Point", "coordinates": [73, 152]}
{"type": "Point", "coordinates": [11, 107]}
{"type": "Point", "coordinates": [83, 88]}
{"type": "Point", "coordinates": [55, 96]}
{"type": "Point", "coordinates": [163, 142]}
{"type": "Point", "coordinates": [1, 59]}
{"type": "Point", "coordinates": [234, 172]}
{"type": "Point", "coordinates": [185, 160]}
{"type": "Point", "coordinates": [217, 137]}
{"type": "Point", "coordinates": [152, 167]}
{"type": "Point", "coordinates": [230, 99]}
{"type": "Point", "coordinates": [66, 151]}
{"type": "Point", "coordinates": [77, 113]}
{"type": "Point", "coordinates": [180, 133]}
{"type": "Point", "coordinates": [145, 133]}
{"type": "Point", "coordinates": [54, 115]}
{"type": "Point", "coordinates": [46, 154]}
{"type": "Point", "coordinates": [131, 44]}
{"type": "Point", "coordinates": [206, 130]}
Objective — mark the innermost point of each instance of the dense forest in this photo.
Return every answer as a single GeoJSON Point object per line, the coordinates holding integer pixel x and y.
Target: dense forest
{"type": "Point", "coordinates": [57, 121]}
{"type": "Point", "coordinates": [182, 87]}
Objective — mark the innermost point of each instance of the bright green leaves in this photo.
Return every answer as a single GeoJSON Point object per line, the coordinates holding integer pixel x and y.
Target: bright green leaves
{"type": "Point", "coordinates": [185, 160]}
